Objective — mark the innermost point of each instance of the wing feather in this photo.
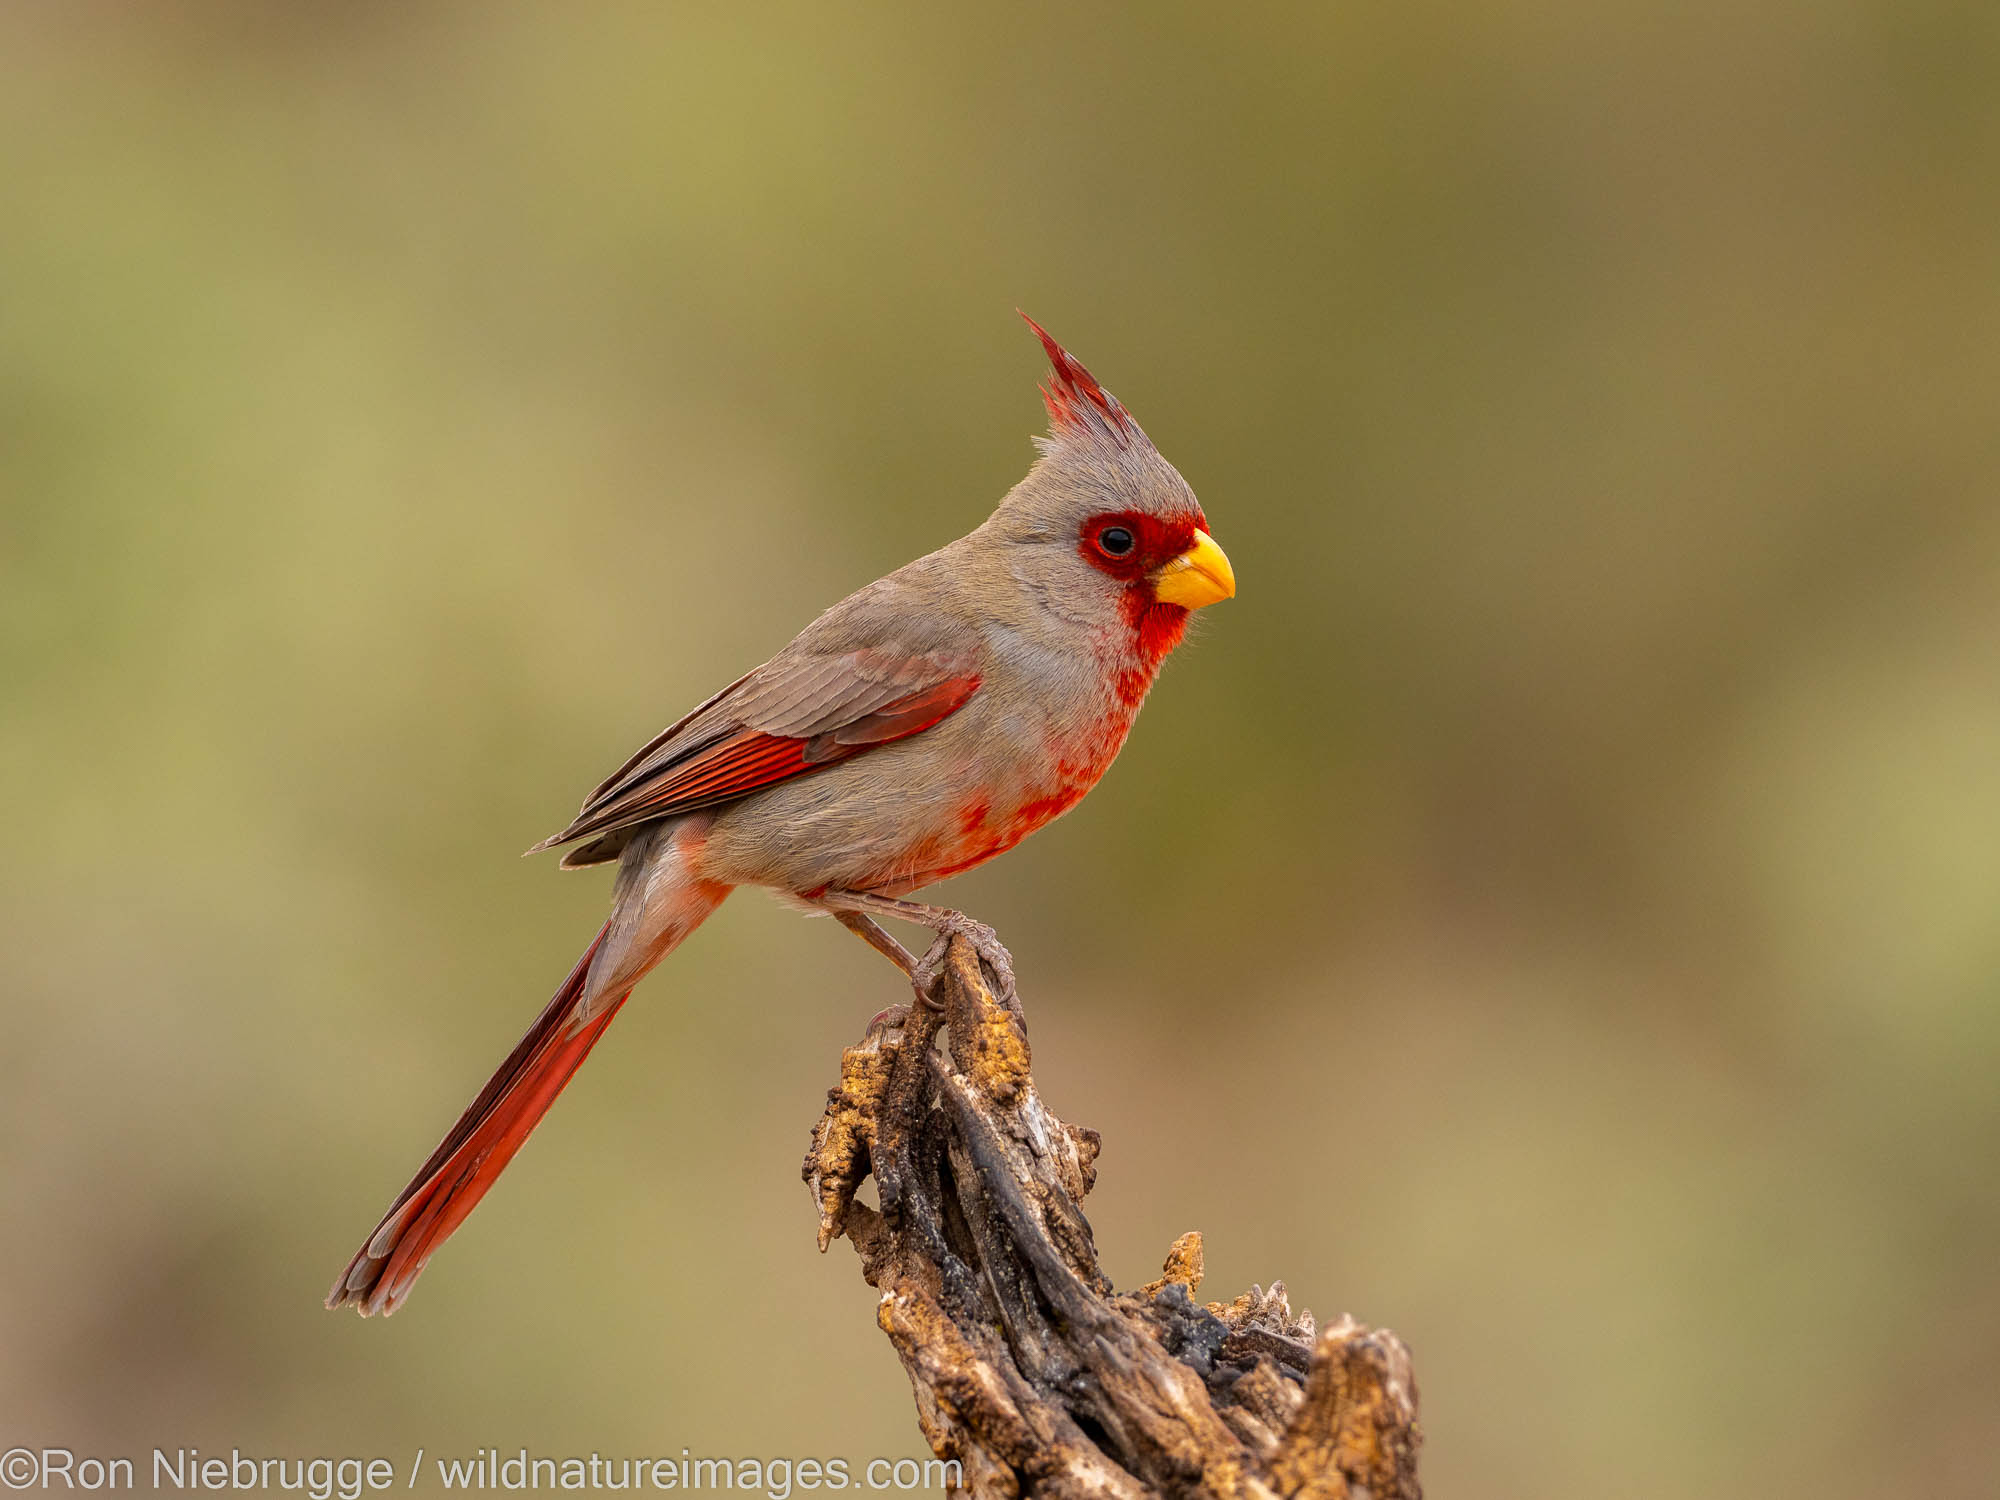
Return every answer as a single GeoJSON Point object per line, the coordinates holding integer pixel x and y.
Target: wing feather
{"type": "Point", "coordinates": [800, 713]}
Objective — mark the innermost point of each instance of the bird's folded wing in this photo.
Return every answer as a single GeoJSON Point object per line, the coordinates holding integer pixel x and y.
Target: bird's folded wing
{"type": "Point", "coordinates": [799, 713]}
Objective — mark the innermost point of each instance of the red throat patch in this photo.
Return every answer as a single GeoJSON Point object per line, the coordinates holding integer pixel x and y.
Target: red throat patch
{"type": "Point", "coordinates": [1156, 629]}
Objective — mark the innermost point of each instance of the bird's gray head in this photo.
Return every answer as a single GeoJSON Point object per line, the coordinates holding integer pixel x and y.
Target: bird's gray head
{"type": "Point", "coordinates": [1103, 530]}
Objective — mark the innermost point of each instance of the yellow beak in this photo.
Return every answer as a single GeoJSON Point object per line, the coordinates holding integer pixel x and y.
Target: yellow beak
{"type": "Point", "coordinates": [1201, 575]}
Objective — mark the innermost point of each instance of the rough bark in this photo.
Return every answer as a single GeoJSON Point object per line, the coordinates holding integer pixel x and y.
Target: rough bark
{"type": "Point", "coordinates": [1026, 1366]}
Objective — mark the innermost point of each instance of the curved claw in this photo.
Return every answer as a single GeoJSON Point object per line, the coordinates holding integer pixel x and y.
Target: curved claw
{"type": "Point", "coordinates": [926, 971]}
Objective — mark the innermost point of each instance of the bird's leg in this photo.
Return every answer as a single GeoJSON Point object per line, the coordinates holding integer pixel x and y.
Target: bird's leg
{"type": "Point", "coordinates": [941, 920]}
{"type": "Point", "coordinates": [870, 932]}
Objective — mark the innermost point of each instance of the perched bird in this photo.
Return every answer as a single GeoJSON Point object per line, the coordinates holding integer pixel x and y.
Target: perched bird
{"type": "Point", "coordinates": [921, 726]}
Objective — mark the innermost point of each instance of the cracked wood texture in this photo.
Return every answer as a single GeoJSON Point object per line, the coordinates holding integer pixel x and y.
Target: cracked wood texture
{"type": "Point", "coordinates": [1026, 1366]}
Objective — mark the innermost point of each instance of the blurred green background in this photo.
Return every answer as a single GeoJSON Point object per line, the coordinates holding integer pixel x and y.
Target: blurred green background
{"type": "Point", "coordinates": [1554, 911]}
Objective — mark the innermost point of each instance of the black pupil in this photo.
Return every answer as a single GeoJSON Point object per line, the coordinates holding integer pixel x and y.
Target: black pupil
{"type": "Point", "coordinates": [1116, 540]}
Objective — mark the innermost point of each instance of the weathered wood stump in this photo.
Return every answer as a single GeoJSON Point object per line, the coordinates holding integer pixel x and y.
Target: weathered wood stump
{"type": "Point", "coordinates": [1026, 1366]}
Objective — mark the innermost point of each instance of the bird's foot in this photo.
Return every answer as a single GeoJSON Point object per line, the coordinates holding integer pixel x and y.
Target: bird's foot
{"type": "Point", "coordinates": [985, 943]}
{"type": "Point", "coordinates": [891, 1019]}
{"type": "Point", "coordinates": [853, 909]}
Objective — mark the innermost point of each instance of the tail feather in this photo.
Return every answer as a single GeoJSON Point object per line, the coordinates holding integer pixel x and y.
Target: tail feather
{"type": "Point", "coordinates": [472, 1154]}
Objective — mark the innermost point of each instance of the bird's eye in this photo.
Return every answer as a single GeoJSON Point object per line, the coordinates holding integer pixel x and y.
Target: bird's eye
{"type": "Point", "coordinates": [1115, 540]}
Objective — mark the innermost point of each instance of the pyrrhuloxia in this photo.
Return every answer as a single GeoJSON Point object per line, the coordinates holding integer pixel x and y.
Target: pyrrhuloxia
{"type": "Point", "coordinates": [916, 729]}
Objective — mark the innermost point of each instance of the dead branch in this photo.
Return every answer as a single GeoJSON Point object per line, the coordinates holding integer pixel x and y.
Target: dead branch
{"type": "Point", "coordinates": [1026, 1366]}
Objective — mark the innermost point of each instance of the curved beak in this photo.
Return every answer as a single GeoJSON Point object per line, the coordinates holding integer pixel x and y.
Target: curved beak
{"type": "Point", "coordinates": [1201, 575]}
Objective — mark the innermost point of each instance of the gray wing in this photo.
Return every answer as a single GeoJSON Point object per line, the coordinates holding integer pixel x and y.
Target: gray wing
{"type": "Point", "coordinates": [801, 712]}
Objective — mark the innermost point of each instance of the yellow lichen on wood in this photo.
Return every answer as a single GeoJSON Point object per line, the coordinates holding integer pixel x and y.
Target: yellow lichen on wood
{"type": "Point", "coordinates": [1183, 1267]}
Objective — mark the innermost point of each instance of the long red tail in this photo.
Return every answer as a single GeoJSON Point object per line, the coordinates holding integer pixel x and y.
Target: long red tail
{"type": "Point", "coordinates": [467, 1161]}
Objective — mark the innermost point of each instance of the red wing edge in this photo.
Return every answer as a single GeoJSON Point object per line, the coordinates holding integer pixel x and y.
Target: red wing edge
{"type": "Point", "coordinates": [751, 759]}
